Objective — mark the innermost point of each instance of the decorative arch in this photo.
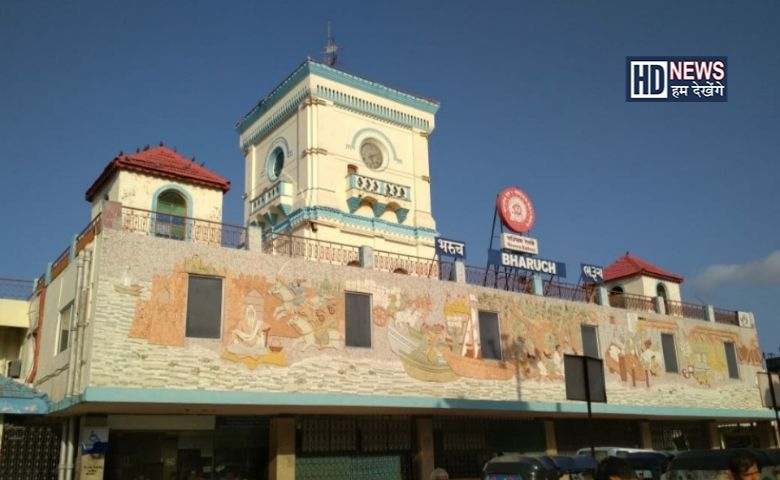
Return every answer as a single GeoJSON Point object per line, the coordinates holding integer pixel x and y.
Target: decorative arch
{"type": "Point", "coordinates": [171, 207]}
{"type": "Point", "coordinates": [373, 133]}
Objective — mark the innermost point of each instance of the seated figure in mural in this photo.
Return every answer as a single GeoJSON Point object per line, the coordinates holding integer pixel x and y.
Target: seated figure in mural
{"type": "Point", "coordinates": [250, 335]}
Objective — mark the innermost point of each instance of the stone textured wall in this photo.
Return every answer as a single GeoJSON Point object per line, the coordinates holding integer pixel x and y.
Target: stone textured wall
{"type": "Point", "coordinates": [283, 331]}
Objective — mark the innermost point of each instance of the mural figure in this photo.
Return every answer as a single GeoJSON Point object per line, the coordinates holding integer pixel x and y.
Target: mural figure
{"type": "Point", "coordinates": [250, 337]}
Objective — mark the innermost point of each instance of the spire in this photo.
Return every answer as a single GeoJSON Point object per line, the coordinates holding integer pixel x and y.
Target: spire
{"type": "Point", "coordinates": [331, 49]}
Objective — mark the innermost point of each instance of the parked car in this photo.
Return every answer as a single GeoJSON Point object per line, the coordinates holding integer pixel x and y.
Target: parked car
{"type": "Point", "coordinates": [516, 466]}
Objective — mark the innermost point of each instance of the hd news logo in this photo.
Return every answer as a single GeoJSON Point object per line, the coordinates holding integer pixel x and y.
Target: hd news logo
{"type": "Point", "coordinates": [676, 79]}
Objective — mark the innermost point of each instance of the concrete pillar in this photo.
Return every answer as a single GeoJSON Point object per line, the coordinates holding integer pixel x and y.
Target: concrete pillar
{"type": "Point", "coordinates": [766, 435]}
{"type": "Point", "coordinates": [602, 297]}
{"type": "Point", "coordinates": [111, 216]}
{"type": "Point", "coordinates": [709, 313]}
{"type": "Point", "coordinates": [254, 240]}
{"type": "Point", "coordinates": [282, 449]}
{"type": "Point", "coordinates": [659, 305]}
{"type": "Point", "coordinates": [714, 435]}
{"type": "Point", "coordinates": [550, 441]}
{"type": "Point", "coordinates": [423, 457]}
{"type": "Point", "coordinates": [366, 256]}
{"type": "Point", "coordinates": [538, 286]}
{"type": "Point", "coordinates": [645, 435]}
{"type": "Point", "coordinates": [458, 272]}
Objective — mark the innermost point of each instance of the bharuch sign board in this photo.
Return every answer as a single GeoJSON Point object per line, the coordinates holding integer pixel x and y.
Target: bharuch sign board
{"type": "Point", "coordinates": [515, 209]}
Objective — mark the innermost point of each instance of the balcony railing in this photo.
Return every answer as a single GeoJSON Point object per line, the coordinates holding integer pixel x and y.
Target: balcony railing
{"type": "Point", "coordinates": [569, 291]}
{"type": "Point", "coordinates": [14, 289]}
{"type": "Point", "coordinates": [379, 187]}
{"type": "Point", "coordinates": [407, 264]}
{"type": "Point", "coordinates": [631, 302]}
{"type": "Point", "coordinates": [311, 249]}
{"type": "Point", "coordinates": [687, 310]}
{"type": "Point", "coordinates": [726, 316]}
{"type": "Point", "coordinates": [183, 228]}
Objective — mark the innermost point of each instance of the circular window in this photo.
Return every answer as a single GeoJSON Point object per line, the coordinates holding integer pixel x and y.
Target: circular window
{"type": "Point", "coordinates": [371, 155]}
{"type": "Point", "coordinates": [275, 163]}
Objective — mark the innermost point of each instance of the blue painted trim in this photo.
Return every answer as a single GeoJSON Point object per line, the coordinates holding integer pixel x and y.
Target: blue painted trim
{"type": "Point", "coordinates": [401, 213]}
{"type": "Point", "coordinates": [365, 133]}
{"type": "Point", "coordinates": [212, 397]}
{"type": "Point", "coordinates": [72, 253]}
{"type": "Point", "coordinates": [310, 67]}
{"type": "Point", "coordinates": [187, 198]}
{"type": "Point", "coordinates": [312, 213]}
{"type": "Point", "coordinates": [270, 160]}
{"type": "Point", "coordinates": [353, 203]}
{"type": "Point", "coordinates": [379, 209]}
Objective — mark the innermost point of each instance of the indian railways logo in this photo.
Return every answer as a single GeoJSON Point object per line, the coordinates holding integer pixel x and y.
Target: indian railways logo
{"type": "Point", "coordinates": [676, 79]}
{"type": "Point", "coordinates": [515, 209]}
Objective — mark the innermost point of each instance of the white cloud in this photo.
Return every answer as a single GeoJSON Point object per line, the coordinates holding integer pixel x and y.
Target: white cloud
{"type": "Point", "coordinates": [761, 272]}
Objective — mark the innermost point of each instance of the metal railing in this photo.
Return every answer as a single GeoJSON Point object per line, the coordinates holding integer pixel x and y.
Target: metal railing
{"type": "Point", "coordinates": [631, 301]}
{"type": "Point", "coordinates": [687, 310]}
{"type": "Point", "coordinates": [501, 280]}
{"type": "Point", "coordinates": [570, 291]}
{"type": "Point", "coordinates": [15, 289]}
{"type": "Point", "coordinates": [406, 264]}
{"type": "Point", "coordinates": [183, 228]}
{"type": "Point", "coordinates": [726, 316]}
{"type": "Point", "coordinates": [312, 249]}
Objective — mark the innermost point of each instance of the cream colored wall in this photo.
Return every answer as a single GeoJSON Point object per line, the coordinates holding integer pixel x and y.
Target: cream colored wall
{"type": "Point", "coordinates": [646, 286]}
{"type": "Point", "coordinates": [13, 313]}
{"type": "Point", "coordinates": [51, 374]}
{"type": "Point", "coordinates": [137, 191]}
{"type": "Point", "coordinates": [109, 190]}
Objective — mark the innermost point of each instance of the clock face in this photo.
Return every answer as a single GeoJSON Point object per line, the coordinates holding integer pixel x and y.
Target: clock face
{"type": "Point", "coordinates": [371, 155]}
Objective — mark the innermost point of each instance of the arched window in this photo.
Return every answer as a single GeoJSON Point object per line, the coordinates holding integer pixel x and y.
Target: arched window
{"type": "Point", "coordinates": [616, 297]}
{"type": "Point", "coordinates": [171, 215]}
{"type": "Point", "coordinates": [660, 291]}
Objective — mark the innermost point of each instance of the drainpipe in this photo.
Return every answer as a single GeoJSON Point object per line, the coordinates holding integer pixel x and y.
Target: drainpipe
{"type": "Point", "coordinates": [63, 447]}
{"type": "Point", "coordinates": [69, 449]}
{"type": "Point", "coordinates": [73, 334]}
{"type": "Point", "coordinates": [86, 285]}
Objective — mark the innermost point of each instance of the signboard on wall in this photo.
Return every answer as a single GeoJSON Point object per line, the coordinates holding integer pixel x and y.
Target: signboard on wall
{"type": "Point", "coordinates": [519, 243]}
{"type": "Point", "coordinates": [450, 248]}
{"type": "Point", "coordinates": [584, 378]}
{"type": "Point", "coordinates": [592, 273]}
{"type": "Point", "coordinates": [523, 262]}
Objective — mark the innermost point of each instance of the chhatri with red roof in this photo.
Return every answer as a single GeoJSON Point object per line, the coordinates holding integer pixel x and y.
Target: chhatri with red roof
{"type": "Point", "coordinates": [630, 265]}
{"type": "Point", "coordinates": [159, 162]}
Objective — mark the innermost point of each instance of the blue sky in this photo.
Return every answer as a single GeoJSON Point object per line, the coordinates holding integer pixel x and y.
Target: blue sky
{"type": "Point", "coordinates": [532, 94]}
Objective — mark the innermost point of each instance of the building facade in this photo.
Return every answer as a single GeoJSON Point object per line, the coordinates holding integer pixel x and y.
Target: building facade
{"type": "Point", "coordinates": [320, 341]}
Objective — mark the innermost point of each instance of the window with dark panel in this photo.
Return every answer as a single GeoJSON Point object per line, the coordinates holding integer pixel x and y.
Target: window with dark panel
{"type": "Point", "coordinates": [731, 359]}
{"type": "Point", "coordinates": [66, 317]}
{"type": "Point", "coordinates": [590, 341]}
{"type": "Point", "coordinates": [358, 319]}
{"type": "Point", "coordinates": [670, 352]}
{"type": "Point", "coordinates": [204, 307]}
{"type": "Point", "coordinates": [489, 335]}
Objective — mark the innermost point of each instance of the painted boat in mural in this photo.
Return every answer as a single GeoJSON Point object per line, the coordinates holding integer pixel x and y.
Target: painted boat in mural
{"type": "Point", "coordinates": [417, 366]}
{"type": "Point", "coordinates": [478, 368]}
{"type": "Point", "coordinates": [400, 343]}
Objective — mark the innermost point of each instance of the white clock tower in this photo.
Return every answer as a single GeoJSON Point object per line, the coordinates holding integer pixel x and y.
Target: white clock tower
{"type": "Point", "coordinates": [336, 157]}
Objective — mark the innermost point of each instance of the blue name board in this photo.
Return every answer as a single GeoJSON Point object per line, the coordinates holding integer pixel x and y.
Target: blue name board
{"type": "Point", "coordinates": [592, 273]}
{"type": "Point", "coordinates": [524, 262]}
{"type": "Point", "coordinates": [450, 248]}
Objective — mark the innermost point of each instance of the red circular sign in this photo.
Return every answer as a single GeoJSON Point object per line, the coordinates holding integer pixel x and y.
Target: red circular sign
{"type": "Point", "coordinates": [515, 209]}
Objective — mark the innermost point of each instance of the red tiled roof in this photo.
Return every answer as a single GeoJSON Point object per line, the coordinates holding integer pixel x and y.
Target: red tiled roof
{"type": "Point", "coordinates": [629, 265]}
{"type": "Point", "coordinates": [159, 162]}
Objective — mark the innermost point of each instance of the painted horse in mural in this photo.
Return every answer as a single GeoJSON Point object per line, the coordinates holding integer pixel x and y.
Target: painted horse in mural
{"type": "Point", "coordinates": [320, 336]}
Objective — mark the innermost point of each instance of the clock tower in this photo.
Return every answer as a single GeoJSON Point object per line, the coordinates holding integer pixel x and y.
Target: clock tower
{"type": "Point", "coordinates": [335, 157]}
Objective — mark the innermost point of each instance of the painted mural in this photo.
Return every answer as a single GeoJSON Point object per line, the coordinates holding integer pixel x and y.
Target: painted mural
{"type": "Point", "coordinates": [276, 322]}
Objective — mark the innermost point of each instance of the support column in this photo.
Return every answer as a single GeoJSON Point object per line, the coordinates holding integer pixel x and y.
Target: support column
{"type": "Point", "coordinates": [366, 256]}
{"type": "Point", "coordinates": [660, 305]}
{"type": "Point", "coordinates": [714, 435]}
{"type": "Point", "coordinates": [282, 449]}
{"type": "Point", "coordinates": [602, 297]}
{"type": "Point", "coordinates": [550, 441]}
{"type": "Point", "coordinates": [423, 457]}
{"type": "Point", "coordinates": [458, 274]}
{"type": "Point", "coordinates": [645, 435]}
{"type": "Point", "coordinates": [254, 239]}
{"type": "Point", "coordinates": [538, 285]}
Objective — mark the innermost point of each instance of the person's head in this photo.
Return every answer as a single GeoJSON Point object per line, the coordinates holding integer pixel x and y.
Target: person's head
{"type": "Point", "coordinates": [744, 466]}
{"type": "Point", "coordinates": [439, 474]}
{"type": "Point", "coordinates": [614, 468]}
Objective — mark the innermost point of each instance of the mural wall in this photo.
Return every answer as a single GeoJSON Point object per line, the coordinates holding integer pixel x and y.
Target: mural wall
{"type": "Point", "coordinates": [283, 330]}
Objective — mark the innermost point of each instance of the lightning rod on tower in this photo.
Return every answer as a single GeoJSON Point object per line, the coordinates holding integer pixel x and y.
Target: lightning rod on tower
{"type": "Point", "coordinates": [331, 49]}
